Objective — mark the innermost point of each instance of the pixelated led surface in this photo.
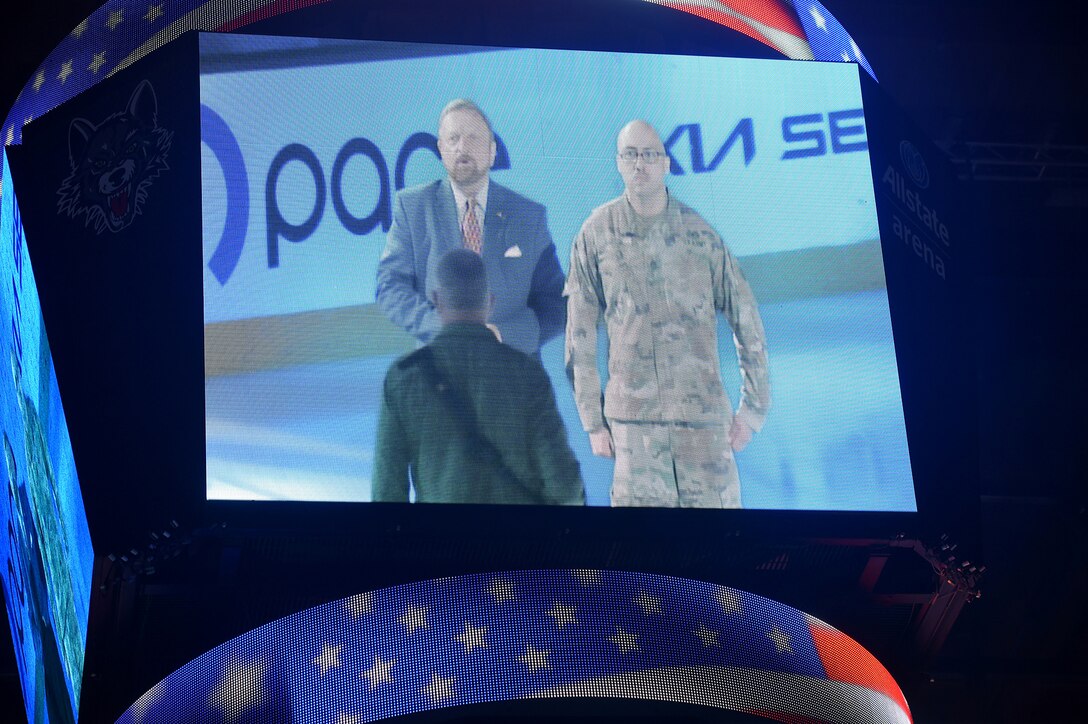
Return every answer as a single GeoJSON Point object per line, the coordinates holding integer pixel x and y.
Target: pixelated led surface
{"type": "Point", "coordinates": [121, 32]}
{"type": "Point", "coordinates": [532, 634]}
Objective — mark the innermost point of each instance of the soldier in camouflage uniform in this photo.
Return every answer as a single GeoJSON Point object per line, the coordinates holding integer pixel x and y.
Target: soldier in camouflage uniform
{"type": "Point", "coordinates": [658, 274]}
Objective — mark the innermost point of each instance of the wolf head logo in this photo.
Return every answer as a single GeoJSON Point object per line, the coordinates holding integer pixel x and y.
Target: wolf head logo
{"type": "Point", "coordinates": [114, 163]}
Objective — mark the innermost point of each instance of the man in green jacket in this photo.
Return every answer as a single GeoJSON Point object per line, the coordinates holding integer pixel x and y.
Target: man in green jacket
{"type": "Point", "coordinates": [467, 419]}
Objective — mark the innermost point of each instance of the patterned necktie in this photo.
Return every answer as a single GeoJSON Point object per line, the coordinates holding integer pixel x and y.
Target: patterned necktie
{"type": "Point", "coordinates": [471, 228]}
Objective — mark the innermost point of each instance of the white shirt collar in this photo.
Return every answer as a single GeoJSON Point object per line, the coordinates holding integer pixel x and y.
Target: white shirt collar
{"type": "Point", "coordinates": [481, 201]}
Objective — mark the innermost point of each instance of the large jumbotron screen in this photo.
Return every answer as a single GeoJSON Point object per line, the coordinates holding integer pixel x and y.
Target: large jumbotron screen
{"type": "Point", "coordinates": [307, 144]}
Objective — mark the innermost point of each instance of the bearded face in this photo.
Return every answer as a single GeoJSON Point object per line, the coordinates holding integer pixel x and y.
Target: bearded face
{"type": "Point", "coordinates": [466, 147]}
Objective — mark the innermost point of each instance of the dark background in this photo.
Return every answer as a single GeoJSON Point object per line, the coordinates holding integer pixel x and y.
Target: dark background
{"type": "Point", "coordinates": [972, 75]}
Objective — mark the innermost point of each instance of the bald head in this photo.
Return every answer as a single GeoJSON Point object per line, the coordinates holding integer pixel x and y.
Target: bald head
{"type": "Point", "coordinates": [637, 134]}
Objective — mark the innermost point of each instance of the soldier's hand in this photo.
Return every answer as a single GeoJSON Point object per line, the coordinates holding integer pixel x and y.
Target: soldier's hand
{"type": "Point", "coordinates": [739, 434]}
{"type": "Point", "coordinates": [601, 443]}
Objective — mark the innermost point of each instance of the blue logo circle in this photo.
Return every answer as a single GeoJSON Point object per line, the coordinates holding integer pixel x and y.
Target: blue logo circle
{"type": "Point", "coordinates": [215, 132]}
{"type": "Point", "coordinates": [914, 163]}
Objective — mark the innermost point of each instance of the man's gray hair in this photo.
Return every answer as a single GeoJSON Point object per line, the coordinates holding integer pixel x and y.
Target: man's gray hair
{"type": "Point", "coordinates": [464, 104]}
{"type": "Point", "coordinates": [462, 280]}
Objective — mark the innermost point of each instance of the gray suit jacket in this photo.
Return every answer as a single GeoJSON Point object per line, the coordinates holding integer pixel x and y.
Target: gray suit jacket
{"type": "Point", "coordinates": [523, 269]}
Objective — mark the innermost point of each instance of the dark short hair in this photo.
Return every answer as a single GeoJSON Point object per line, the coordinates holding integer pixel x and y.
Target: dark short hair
{"type": "Point", "coordinates": [464, 104]}
{"type": "Point", "coordinates": [462, 280]}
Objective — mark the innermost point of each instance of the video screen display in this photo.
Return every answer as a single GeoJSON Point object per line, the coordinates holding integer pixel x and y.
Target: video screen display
{"type": "Point", "coordinates": [685, 296]}
{"type": "Point", "coordinates": [46, 548]}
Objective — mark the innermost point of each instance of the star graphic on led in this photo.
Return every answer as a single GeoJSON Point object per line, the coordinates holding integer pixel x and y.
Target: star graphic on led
{"type": "Point", "coordinates": [359, 605]}
{"type": "Point", "coordinates": [440, 688]}
{"type": "Point", "coordinates": [39, 79]}
{"type": "Point", "coordinates": [414, 618]}
{"type": "Point", "coordinates": [115, 19]}
{"type": "Point", "coordinates": [97, 62]}
{"type": "Point", "coordinates": [818, 18]}
{"type": "Point", "coordinates": [154, 12]}
{"type": "Point", "coordinates": [625, 641]}
{"type": "Point", "coordinates": [472, 637]}
{"type": "Point", "coordinates": [345, 718]}
{"type": "Point", "coordinates": [709, 637]}
{"type": "Point", "coordinates": [379, 673]}
{"type": "Point", "coordinates": [79, 30]}
{"type": "Point", "coordinates": [563, 614]}
{"type": "Point", "coordinates": [329, 658]}
{"type": "Point", "coordinates": [649, 604]}
{"type": "Point", "coordinates": [501, 589]}
{"type": "Point", "coordinates": [65, 71]}
{"type": "Point", "coordinates": [588, 578]}
{"type": "Point", "coordinates": [536, 659]}
{"type": "Point", "coordinates": [241, 688]}
{"type": "Point", "coordinates": [781, 640]}
{"type": "Point", "coordinates": [729, 600]}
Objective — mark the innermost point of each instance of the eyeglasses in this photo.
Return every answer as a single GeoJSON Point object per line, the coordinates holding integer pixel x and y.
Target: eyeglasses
{"type": "Point", "coordinates": [648, 155]}
{"type": "Point", "coordinates": [470, 139]}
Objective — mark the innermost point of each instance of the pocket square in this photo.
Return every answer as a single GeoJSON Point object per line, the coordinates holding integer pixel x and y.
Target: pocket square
{"type": "Point", "coordinates": [514, 252]}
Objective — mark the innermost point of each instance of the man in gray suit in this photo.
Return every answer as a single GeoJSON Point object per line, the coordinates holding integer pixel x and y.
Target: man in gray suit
{"type": "Point", "coordinates": [508, 231]}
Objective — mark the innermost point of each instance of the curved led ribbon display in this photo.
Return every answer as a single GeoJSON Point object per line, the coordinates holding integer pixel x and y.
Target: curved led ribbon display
{"type": "Point", "coordinates": [526, 635]}
{"type": "Point", "coordinates": [121, 32]}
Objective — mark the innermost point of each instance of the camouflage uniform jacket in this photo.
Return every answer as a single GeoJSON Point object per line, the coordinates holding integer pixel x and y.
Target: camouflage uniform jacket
{"type": "Point", "coordinates": [659, 283]}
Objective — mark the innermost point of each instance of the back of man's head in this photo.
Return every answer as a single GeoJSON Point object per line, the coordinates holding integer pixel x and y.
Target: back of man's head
{"type": "Point", "coordinates": [462, 284]}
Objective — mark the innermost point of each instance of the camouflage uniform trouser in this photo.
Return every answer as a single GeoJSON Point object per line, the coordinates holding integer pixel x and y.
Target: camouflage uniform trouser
{"type": "Point", "coordinates": [668, 465]}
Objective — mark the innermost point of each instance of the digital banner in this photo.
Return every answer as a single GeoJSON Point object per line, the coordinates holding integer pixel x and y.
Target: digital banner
{"type": "Point", "coordinates": [534, 636]}
{"type": "Point", "coordinates": [46, 548]}
{"type": "Point", "coordinates": [307, 146]}
{"type": "Point", "coordinates": [109, 191]}
{"type": "Point", "coordinates": [930, 227]}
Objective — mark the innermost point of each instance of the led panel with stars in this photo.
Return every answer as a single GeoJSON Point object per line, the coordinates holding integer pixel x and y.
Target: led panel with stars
{"type": "Point", "coordinates": [533, 636]}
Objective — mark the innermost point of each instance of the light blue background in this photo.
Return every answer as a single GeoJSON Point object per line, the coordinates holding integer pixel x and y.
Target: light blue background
{"type": "Point", "coordinates": [558, 113]}
{"type": "Point", "coordinates": [835, 438]}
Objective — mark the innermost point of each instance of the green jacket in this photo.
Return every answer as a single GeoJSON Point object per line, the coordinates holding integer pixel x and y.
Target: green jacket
{"type": "Point", "coordinates": [421, 435]}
